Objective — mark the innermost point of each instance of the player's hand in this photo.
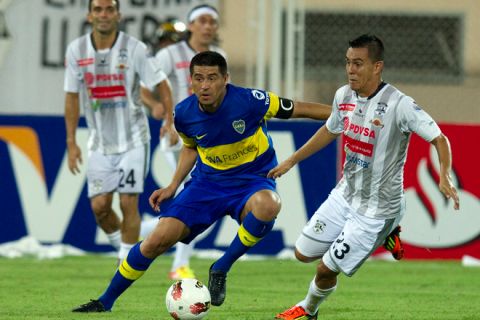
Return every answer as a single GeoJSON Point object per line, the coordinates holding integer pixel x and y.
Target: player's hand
{"type": "Point", "coordinates": [74, 157]}
{"type": "Point", "coordinates": [281, 169]}
{"type": "Point", "coordinates": [446, 187]}
{"type": "Point", "coordinates": [171, 133]}
{"type": "Point", "coordinates": [159, 195]}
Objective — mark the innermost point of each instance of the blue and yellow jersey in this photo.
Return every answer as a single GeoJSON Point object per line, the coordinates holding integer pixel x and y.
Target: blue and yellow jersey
{"type": "Point", "coordinates": [232, 141]}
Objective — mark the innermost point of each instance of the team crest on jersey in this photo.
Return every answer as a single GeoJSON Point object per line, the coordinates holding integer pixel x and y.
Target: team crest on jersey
{"type": "Point", "coordinates": [122, 59]}
{"type": "Point", "coordinates": [239, 126]}
{"type": "Point", "coordinates": [381, 108]}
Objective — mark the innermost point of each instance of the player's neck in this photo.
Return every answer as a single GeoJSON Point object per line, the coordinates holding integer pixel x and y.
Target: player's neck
{"type": "Point", "coordinates": [372, 90]}
{"type": "Point", "coordinates": [104, 41]}
{"type": "Point", "coordinates": [197, 46]}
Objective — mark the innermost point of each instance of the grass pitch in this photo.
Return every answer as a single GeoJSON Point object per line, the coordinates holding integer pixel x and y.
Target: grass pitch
{"type": "Point", "coordinates": [49, 289]}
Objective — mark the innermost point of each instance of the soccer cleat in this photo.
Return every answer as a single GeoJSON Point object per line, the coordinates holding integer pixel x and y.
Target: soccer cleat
{"type": "Point", "coordinates": [296, 313]}
{"type": "Point", "coordinates": [92, 306]}
{"type": "Point", "coordinates": [394, 244]}
{"type": "Point", "coordinates": [217, 285]}
{"type": "Point", "coordinates": [183, 272]}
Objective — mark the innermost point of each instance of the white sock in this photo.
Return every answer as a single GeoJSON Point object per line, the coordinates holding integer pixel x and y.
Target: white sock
{"type": "Point", "coordinates": [124, 249]}
{"type": "Point", "coordinates": [183, 252]}
{"type": "Point", "coordinates": [146, 227]}
{"type": "Point", "coordinates": [315, 297]}
{"type": "Point", "coordinates": [114, 238]}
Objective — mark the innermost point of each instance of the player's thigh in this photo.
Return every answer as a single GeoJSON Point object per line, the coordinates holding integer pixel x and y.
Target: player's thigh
{"type": "Point", "coordinates": [132, 169]}
{"type": "Point", "coordinates": [357, 241]}
{"type": "Point", "coordinates": [322, 229]}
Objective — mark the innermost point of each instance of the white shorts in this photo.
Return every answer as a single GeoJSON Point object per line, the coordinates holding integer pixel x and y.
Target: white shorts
{"type": "Point", "coordinates": [342, 237]}
{"type": "Point", "coordinates": [123, 173]}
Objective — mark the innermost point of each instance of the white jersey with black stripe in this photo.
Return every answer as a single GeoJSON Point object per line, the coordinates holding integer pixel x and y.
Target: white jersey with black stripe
{"type": "Point", "coordinates": [107, 82]}
{"type": "Point", "coordinates": [377, 131]}
{"type": "Point", "coordinates": [175, 62]}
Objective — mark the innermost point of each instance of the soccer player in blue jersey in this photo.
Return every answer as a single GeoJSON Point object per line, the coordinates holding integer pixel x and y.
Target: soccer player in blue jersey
{"type": "Point", "coordinates": [224, 133]}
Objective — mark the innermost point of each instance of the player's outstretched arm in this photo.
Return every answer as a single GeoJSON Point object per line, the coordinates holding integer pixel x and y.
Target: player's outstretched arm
{"type": "Point", "coordinates": [157, 110]}
{"type": "Point", "coordinates": [165, 93]}
{"type": "Point", "coordinates": [72, 114]}
{"type": "Point", "coordinates": [442, 145]}
{"type": "Point", "coordinates": [186, 161]}
{"type": "Point", "coordinates": [317, 142]}
{"type": "Point", "coordinates": [312, 110]}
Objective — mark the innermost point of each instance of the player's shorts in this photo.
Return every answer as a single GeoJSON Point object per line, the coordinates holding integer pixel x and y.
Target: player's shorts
{"type": "Point", "coordinates": [342, 237]}
{"type": "Point", "coordinates": [201, 203]}
{"type": "Point", "coordinates": [123, 172]}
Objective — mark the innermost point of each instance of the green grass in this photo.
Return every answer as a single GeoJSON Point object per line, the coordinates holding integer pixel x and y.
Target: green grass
{"type": "Point", "coordinates": [33, 289]}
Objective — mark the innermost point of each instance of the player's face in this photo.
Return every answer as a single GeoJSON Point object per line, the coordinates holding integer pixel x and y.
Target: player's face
{"type": "Point", "coordinates": [363, 74]}
{"type": "Point", "coordinates": [204, 29]}
{"type": "Point", "coordinates": [209, 85]}
{"type": "Point", "coordinates": [104, 16]}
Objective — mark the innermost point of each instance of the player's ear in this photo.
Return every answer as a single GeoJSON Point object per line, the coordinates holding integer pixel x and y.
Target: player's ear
{"type": "Point", "coordinates": [378, 67]}
{"type": "Point", "coordinates": [89, 17]}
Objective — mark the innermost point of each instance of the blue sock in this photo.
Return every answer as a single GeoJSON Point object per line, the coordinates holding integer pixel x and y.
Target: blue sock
{"type": "Point", "coordinates": [131, 268]}
{"type": "Point", "coordinates": [250, 232]}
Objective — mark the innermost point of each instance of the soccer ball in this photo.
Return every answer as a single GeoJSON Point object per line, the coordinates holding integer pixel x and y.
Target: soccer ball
{"type": "Point", "coordinates": [188, 299]}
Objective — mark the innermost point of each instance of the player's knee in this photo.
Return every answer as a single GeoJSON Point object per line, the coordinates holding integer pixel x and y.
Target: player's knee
{"type": "Point", "coordinates": [129, 204]}
{"type": "Point", "coordinates": [101, 207]}
{"type": "Point", "coordinates": [266, 205]}
{"type": "Point", "coordinates": [300, 257]}
{"type": "Point", "coordinates": [324, 273]}
{"type": "Point", "coordinates": [156, 244]}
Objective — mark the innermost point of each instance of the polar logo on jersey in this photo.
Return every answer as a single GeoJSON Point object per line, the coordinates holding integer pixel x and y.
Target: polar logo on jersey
{"type": "Point", "coordinates": [258, 94]}
{"type": "Point", "coordinates": [239, 126]}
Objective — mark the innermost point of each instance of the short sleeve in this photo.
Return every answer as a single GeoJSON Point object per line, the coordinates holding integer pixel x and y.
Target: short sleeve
{"type": "Point", "coordinates": [72, 72]}
{"type": "Point", "coordinates": [412, 118]}
{"type": "Point", "coordinates": [334, 123]}
{"type": "Point", "coordinates": [147, 67]}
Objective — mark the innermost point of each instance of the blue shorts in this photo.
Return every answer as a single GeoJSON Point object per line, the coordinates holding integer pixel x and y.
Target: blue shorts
{"type": "Point", "coordinates": [201, 203]}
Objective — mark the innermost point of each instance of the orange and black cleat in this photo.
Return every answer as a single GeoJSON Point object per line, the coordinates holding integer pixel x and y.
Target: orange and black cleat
{"type": "Point", "coordinates": [296, 313]}
{"type": "Point", "coordinates": [394, 244]}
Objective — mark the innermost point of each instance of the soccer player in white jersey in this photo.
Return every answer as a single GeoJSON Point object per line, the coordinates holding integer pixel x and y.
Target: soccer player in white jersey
{"type": "Point", "coordinates": [175, 62]}
{"type": "Point", "coordinates": [101, 71]}
{"type": "Point", "coordinates": [377, 121]}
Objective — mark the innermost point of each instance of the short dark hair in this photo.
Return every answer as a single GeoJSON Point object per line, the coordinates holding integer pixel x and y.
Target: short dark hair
{"type": "Point", "coordinates": [90, 5]}
{"type": "Point", "coordinates": [373, 43]}
{"type": "Point", "coordinates": [209, 59]}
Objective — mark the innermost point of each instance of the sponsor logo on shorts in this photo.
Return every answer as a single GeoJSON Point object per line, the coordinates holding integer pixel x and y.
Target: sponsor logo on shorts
{"type": "Point", "coordinates": [97, 185]}
{"type": "Point", "coordinates": [319, 227]}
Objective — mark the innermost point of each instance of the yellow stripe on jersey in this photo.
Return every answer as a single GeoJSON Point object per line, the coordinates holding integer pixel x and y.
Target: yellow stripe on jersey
{"type": "Point", "coordinates": [228, 156]}
{"type": "Point", "coordinates": [187, 142]}
{"type": "Point", "coordinates": [274, 105]}
{"type": "Point", "coordinates": [246, 237]}
{"type": "Point", "coordinates": [128, 272]}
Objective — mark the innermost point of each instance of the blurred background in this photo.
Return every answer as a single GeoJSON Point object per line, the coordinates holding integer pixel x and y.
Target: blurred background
{"type": "Point", "coordinates": [295, 48]}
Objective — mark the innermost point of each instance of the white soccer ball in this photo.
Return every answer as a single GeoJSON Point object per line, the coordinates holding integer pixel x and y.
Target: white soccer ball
{"type": "Point", "coordinates": [188, 299]}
